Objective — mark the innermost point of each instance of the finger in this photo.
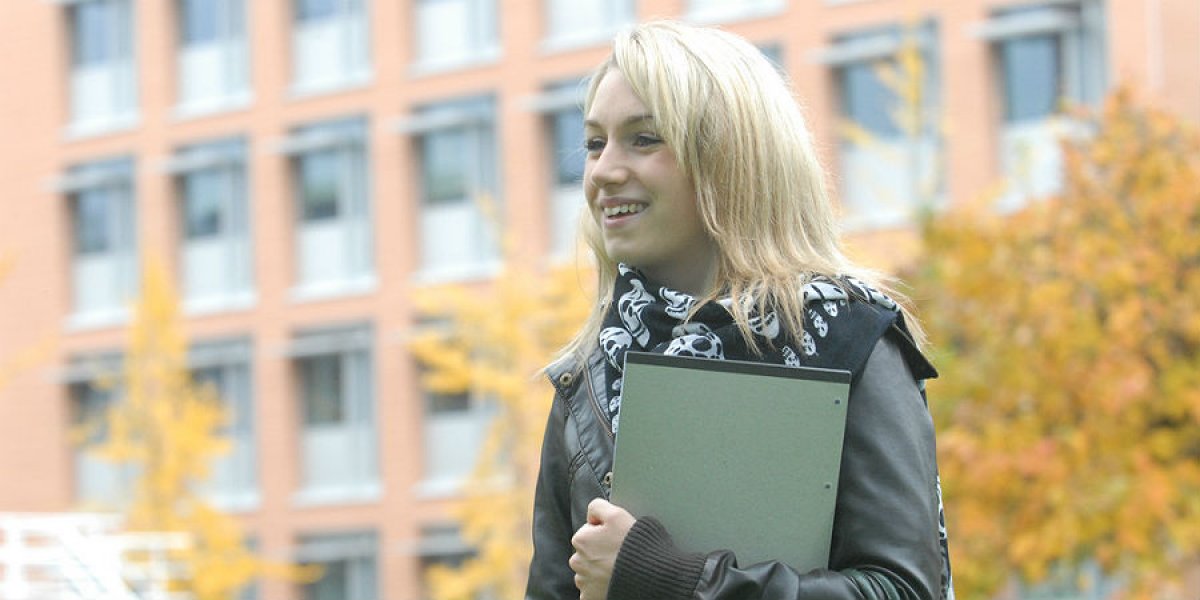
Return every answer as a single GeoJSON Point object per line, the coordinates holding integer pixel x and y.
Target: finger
{"type": "Point", "coordinates": [598, 511]}
{"type": "Point", "coordinates": [575, 562]}
{"type": "Point", "coordinates": [581, 535]}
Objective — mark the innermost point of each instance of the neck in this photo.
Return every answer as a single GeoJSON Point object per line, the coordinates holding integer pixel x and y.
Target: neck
{"type": "Point", "coordinates": [695, 278]}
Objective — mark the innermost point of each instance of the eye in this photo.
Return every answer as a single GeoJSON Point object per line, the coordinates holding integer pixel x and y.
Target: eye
{"type": "Point", "coordinates": [644, 140]}
{"type": "Point", "coordinates": [593, 145]}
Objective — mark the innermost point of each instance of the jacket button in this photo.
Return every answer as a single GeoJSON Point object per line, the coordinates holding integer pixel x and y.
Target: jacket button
{"type": "Point", "coordinates": [608, 479]}
{"type": "Point", "coordinates": [566, 379]}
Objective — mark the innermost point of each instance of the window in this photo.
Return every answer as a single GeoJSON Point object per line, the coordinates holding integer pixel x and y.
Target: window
{"type": "Point", "coordinates": [103, 271]}
{"type": "Point", "coordinates": [732, 10]}
{"type": "Point", "coordinates": [99, 483]}
{"type": "Point", "coordinates": [1045, 56]}
{"type": "Point", "coordinates": [103, 81]}
{"type": "Point", "coordinates": [213, 58]}
{"type": "Point", "coordinates": [460, 210]}
{"type": "Point", "coordinates": [337, 410]}
{"type": "Point", "coordinates": [576, 22]}
{"type": "Point", "coordinates": [348, 563]}
{"type": "Point", "coordinates": [441, 545]}
{"type": "Point", "coordinates": [888, 149]}
{"type": "Point", "coordinates": [456, 425]}
{"type": "Point", "coordinates": [330, 45]}
{"type": "Point", "coordinates": [561, 106]}
{"type": "Point", "coordinates": [334, 241]}
{"type": "Point", "coordinates": [454, 33]}
{"type": "Point", "coordinates": [225, 366]}
{"type": "Point", "coordinates": [215, 250]}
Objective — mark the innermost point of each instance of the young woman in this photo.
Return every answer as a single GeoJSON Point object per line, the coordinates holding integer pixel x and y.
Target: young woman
{"type": "Point", "coordinates": [713, 234]}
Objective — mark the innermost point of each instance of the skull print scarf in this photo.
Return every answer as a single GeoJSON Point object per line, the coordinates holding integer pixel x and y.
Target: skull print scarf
{"type": "Point", "coordinates": [650, 318]}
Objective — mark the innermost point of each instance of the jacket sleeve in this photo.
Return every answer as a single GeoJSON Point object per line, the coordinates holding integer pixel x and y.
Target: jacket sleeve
{"type": "Point", "coordinates": [550, 577]}
{"type": "Point", "coordinates": [885, 533]}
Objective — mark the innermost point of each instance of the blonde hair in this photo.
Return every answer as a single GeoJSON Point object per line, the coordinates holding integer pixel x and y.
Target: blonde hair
{"type": "Point", "coordinates": [738, 133]}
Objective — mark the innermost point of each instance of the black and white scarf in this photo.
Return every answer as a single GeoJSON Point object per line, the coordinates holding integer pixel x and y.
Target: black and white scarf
{"type": "Point", "coordinates": [650, 318]}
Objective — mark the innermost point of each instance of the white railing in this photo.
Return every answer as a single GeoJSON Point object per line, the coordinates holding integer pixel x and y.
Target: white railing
{"type": "Point", "coordinates": [69, 556]}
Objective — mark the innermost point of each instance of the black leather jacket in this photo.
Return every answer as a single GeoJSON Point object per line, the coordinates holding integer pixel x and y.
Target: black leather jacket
{"type": "Point", "coordinates": [885, 534]}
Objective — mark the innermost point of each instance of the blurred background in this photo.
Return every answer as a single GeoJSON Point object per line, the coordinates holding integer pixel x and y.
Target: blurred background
{"type": "Point", "coordinates": [363, 213]}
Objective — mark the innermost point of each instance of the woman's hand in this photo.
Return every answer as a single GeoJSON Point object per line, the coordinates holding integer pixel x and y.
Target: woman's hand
{"type": "Point", "coordinates": [596, 545]}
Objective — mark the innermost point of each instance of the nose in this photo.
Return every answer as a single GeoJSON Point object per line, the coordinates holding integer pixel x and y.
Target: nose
{"type": "Point", "coordinates": [608, 169]}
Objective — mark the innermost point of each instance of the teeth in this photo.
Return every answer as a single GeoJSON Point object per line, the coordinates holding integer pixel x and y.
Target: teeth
{"type": "Point", "coordinates": [623, 209]}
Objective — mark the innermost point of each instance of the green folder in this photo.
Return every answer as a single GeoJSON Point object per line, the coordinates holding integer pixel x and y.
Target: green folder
{"type": "Point", "coordinates": [733, 455]}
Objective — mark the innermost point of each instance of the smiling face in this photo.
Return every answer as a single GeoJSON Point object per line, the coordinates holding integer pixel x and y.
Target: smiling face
{"type": "Point", "coordinates": [642, 201]}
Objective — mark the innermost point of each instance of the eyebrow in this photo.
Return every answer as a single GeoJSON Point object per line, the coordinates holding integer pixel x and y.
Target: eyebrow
{"type": "Point", "coordinates": [630, 121]}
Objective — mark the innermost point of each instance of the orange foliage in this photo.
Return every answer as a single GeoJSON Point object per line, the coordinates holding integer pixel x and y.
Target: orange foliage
{"type": "Point", "coordinates": [168, 427]}
{"type": "Point", "coordinates": [1068, 338]}
{"type": "Point", "coordinates": [495, 340]}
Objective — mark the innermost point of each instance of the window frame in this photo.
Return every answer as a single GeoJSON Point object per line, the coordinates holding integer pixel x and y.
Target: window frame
{"type": "Point", "coordinates": [352, 346]}
{"type": "Point", "coordinates": [117, 69]}
{"type": "Point", "coordinates": [350, 23]}
{"type": "Point", "coordinates": [233, 360]}
{"type": "Point", "coordinates": [482, 35]}
{"type": "Point", "coordinates": [225, 161]}
{"type": "Point", "coordinates": [231, 47]}
{"type": "Point", "coordinates": [115, 179]}
{"type": "Point", "coordinates": [475, 117]}
{"type": "Point", "coordinates": [347, 139]}
{"type": "Point", "coordinates": [919, 152]}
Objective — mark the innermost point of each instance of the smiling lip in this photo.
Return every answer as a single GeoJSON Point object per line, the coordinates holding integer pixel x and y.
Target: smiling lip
{"type": "Point", "coordinates": [619, 209]}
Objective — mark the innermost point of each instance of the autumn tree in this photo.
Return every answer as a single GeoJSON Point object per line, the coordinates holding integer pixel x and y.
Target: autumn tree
{"type": "Point", "coordinates": [1068, 340]}
{"type": "Point", "coordinates": [169, 429]}
{"type": "Point", "coordinates": [491, 341]}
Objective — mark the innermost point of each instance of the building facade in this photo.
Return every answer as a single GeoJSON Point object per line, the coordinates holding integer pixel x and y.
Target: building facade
{"type": "Point", "coordinates": [304, 165]}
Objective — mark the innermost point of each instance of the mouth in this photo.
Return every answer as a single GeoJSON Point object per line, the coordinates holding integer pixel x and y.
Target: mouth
{"type": "Point", "coordinates": [622, 210]}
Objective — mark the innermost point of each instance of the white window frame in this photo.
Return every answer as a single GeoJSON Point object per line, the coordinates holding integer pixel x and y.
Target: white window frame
{"type": "Point", "coordinates": [224, 62]}
{"type": "Point", "coordinates": [114, 270]}
{"type": "Point", "coordinates": [346, 241]}
{"type": "Point", "coordinates": [343, 38]}
{"type": "Point", "coordinates": [355, 431]}
{"type": "Point", "coordinates": [475, 118]}
{"type": "Point", "coordinates": [1030, 159]}
{"type": "Point", "coordinates": [98, 483]}
{"type": "Point", "coordinates": [111, 83]}
{"type": "Point", "coordinates": [234, 483]}
{"type": "Point", "coordinates": [441, 544]}
{"type": "Point", "coordinates": [232, 248]}
{"type": "Point", "coordinates": [566, 199]}
{"type": "Point", "coordinates": [453, 441]}
{"type": "Point", "coordinates": [613, 14]}
{"type": "Point", "coordinates": [481, 36]}
{"type": "Point", "coordinates": [726, 11]}
{"type": "Point", "coordinates": [358, 549]}
{"type": "Point", "coordinates": [909, 162]}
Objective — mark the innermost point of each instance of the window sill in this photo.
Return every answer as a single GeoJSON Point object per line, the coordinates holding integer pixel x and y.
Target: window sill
{"type": "Point", "coordinates": [366, 493]}
{"type": "Point", "coordinates": [310, 89]}
{"type": "Point", "coordinates": [100, 127]}
{"type": "Point", "coordinates": [236, 502]}
{"type": "Point", "coordinates": [213, 106]}
{"type": "Point", "coordinates": [440, 489]}
{"type": "Point", "coordinates": [729, 14]}
{"type": "Point", "coordinates": [565, 42]}
{"type": "Point", "coordinates": [454, 487]}
{"type": "Point", "coordinates": [330, 290]}
{"type": "Point", "coordinates": [436, 66]}
{"type": "Point", "coordinates": [88, 321]}
{"type": "Point", "coordinates": [482, 271]}
{"type": "Point", "coordinates": [219, 304]}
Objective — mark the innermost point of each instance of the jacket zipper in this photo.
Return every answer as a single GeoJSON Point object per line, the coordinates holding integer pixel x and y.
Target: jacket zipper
{"type": "Point", "coordinates": [595, 402]}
